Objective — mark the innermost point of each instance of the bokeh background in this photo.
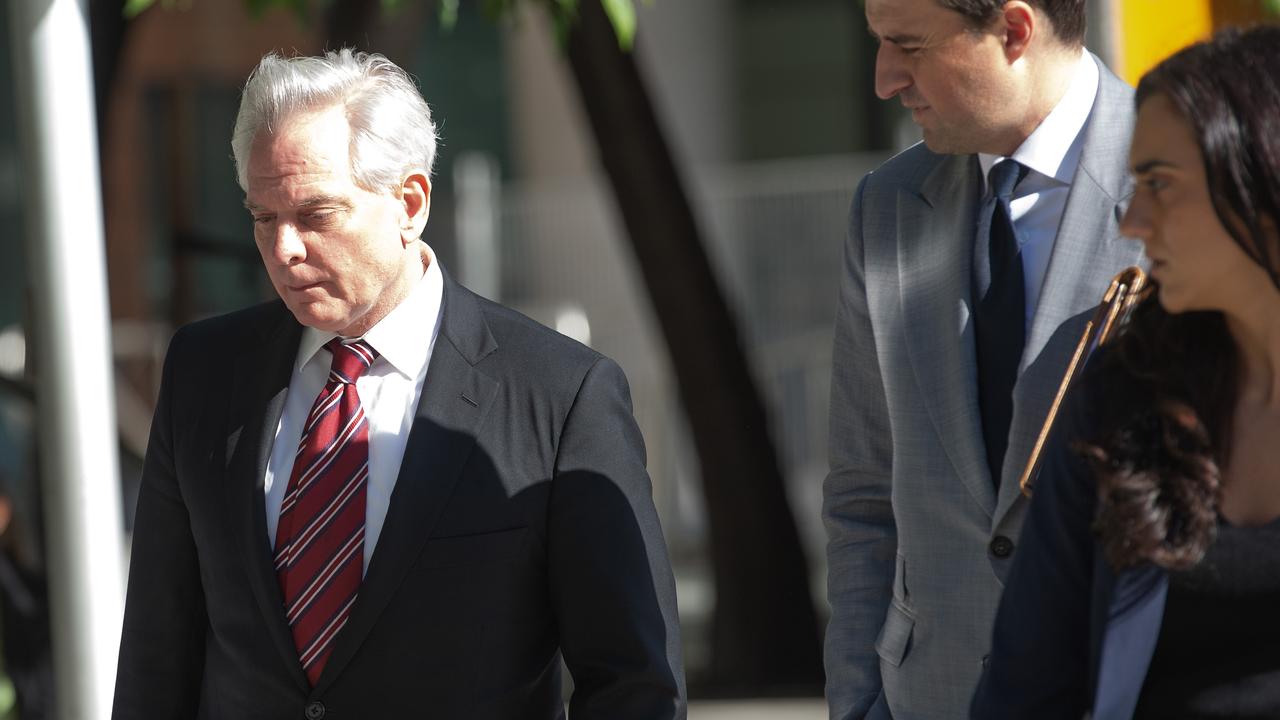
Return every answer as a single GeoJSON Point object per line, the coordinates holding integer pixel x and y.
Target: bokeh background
{"type": "Point", "coordinates": [679, 207]}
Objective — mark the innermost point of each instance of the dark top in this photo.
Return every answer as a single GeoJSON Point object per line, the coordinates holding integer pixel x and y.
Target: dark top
{"type": "Point", "coordinates": [1218, 655]}
{"type": "Point", "coordinates": [1062, 601]}
{"type": "Point", "coordinates": [1054, 605]}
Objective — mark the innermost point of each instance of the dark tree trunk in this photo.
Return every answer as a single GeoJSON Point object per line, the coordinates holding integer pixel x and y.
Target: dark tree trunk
{"type": "Point", "coordinates": [363, 25]}
{"type": "Point", "coordinates": [347, 23]}
{"type": "Point", "coordinates": [765, 637]}
{"type": "Point", "coordinates": [107, 32]}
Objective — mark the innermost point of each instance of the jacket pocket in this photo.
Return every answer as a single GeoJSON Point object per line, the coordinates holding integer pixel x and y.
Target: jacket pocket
{"type": "Point", "coordinates": [482, 548]}
{"type": "Point", "coordinates": [895, 635]}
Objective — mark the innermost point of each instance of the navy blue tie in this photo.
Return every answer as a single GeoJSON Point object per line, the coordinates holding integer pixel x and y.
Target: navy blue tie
{"type": "Point", "coordinates": [999, 317]}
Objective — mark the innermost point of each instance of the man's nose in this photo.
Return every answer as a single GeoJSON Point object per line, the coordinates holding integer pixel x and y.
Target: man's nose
{"type": "Point", "coordinates": [891, 74]}
{"type": "Point", "coordinates": [288, 247]}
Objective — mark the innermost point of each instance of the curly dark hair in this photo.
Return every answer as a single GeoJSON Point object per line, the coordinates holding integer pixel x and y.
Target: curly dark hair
{"type": "Point", "coordinates": [1171, 381]}
{"type": "Point", "coordinates": [1164, 432]}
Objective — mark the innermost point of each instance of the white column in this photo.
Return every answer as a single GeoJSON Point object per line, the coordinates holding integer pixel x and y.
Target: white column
{"type": "Point", "coordinates": [75, 401]}
{"type": "Point", "coordinates": [477, 187]}
{"type": "Point", "coordinates": [1104, 31]}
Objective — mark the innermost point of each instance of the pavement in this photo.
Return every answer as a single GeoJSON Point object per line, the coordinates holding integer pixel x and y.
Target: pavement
{"type": "Point", "coordinates": [815, 709]}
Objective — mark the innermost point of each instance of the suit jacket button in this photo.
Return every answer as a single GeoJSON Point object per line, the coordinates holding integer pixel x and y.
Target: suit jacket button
{"type": "Point", "coordinates": [1001, 546]}
{"type": "Point", "coordinates": [315, 710]}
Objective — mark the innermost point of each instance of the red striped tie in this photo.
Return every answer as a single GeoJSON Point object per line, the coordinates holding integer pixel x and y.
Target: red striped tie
{"type": "Point", "coordinates": [320, 538]}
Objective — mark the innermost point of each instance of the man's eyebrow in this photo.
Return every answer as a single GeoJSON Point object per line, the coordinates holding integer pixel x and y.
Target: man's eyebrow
{"type": "Point", "coordinates": [896, 39]}
{"type": "Point", "coordinates": [314, 201]}
{"type": "Point", "coordinates": [321, 200]}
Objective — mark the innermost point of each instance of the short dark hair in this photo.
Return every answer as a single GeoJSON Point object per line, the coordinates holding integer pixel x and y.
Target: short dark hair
{"type": "Point", "coordinates": [1067, 16]}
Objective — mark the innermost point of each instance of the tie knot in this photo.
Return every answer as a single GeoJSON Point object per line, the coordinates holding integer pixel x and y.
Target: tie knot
{"type": "Point", "coordinates": [1005, 176]}
{"type": "Point", "coordinates": [350, 360]}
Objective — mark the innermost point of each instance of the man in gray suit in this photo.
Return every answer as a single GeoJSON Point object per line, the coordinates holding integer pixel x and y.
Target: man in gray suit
{"type": "Point", "coordinates": [971, 263]}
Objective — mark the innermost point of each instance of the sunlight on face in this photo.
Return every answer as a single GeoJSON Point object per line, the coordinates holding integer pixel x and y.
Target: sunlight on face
{"type": "Point", "coordinates": [1197, 263]}
{"type": "Point", "coordinates": [333, 250]}
{"type": "Point", "coordinates": [951, 78]}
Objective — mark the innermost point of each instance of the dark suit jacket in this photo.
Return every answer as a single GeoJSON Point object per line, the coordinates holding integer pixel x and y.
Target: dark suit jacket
{"type": "Point", "coordinates": [1071, 636]}
{"type": "Point", "coordinates": [521, 527]}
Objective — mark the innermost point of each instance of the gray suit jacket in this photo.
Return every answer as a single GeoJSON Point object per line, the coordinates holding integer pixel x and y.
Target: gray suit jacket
{"type": "Point", "coordinates": [919, 539]}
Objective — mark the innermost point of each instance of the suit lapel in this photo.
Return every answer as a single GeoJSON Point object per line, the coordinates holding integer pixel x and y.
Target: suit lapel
{"type": "Point", "coordinates": [1087, 252]}
{"type": "Point", "coordinates": [1089, 234]}
{"type": "Point", "coordinates": [455, 399]}
{"type": "Point", "coordinates": [260, 384]}
{"type": "Point", "coordinates": [935, 248]}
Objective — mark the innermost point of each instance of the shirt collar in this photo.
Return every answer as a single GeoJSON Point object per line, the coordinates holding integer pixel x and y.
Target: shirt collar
{"type": "Point", "coordinates": [1053, 150]}
{"type": "Point", "coordinates": [398, 337]}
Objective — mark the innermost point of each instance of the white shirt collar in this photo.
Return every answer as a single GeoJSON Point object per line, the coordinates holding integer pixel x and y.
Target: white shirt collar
{"type": "Point", "coordinates": [1054, 149]}
{"type": "Point", "coordinates": [398, 337]}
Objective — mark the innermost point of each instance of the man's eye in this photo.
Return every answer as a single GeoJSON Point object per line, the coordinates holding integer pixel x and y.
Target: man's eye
{"type": "Point", "coordinates": [262, 219]}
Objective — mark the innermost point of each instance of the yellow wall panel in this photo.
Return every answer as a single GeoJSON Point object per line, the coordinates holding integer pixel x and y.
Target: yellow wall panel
{"type": "Point", "coordinates": [1151, 30]}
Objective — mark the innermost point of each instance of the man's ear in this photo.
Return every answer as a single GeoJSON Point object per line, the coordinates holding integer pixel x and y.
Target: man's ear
{"type": "Point", "coordinates": [1021, 24]}
{"type": "Point", "coordinates": [415, 204]}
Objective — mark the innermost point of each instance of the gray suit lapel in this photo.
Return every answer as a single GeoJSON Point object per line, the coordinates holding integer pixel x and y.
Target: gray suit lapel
{"type": "Point", "coordinates": [260, 385]}
{"type": "Point", "coordinates": [455, 400]}
{"type": "Point", "coordinates": [1088, 250]}
{"type": "Point", "coordinates": [935, 248]}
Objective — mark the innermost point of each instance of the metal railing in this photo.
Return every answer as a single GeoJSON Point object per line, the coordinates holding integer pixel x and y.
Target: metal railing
{"type": "Point", "coordinates": [775, 234]}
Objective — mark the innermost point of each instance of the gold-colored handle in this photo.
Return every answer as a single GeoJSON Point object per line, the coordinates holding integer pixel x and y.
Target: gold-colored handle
{"type": "Point", "coordinates": [1119, 298]}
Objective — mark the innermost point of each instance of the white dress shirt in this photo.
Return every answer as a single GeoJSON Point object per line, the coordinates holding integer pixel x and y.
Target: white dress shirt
{"type": "Point", "coordinates": [389, 391]}
{"type": "Point", "coordinates": [1052, 154]}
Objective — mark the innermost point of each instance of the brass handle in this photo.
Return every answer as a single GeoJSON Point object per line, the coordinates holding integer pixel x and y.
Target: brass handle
{"type": "Point", "coordinates": [1119, 298]}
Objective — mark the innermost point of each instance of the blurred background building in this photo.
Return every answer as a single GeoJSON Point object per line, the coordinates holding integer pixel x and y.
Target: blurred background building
{"type": "Point", "coordinates": [768, 108]}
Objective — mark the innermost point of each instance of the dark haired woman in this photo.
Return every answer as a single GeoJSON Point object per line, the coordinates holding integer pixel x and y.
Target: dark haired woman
{"type": "Point", "coordinates": [1147, 579]}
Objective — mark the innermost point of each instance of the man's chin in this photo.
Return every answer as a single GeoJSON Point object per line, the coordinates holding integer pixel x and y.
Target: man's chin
{"type": "Point", "coordinates": [942, 143]}
{"type": "Point", "coordinates": [309, 315]}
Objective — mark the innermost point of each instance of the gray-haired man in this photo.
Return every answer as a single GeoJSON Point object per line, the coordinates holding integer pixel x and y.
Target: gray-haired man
{"type": "Point", "coordinates": [382, 496]}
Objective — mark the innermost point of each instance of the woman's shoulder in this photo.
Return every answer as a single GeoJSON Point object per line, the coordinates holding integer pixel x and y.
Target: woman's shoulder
{"type": "Point", "coordinates": [1107, 391]}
